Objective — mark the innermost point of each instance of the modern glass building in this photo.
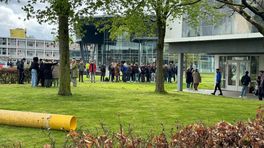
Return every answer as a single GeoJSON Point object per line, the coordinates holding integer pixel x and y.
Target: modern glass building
{"type": "Point", "coordinates": [98, 46]}
{"type": "Point", "coordinates": [235, 44]}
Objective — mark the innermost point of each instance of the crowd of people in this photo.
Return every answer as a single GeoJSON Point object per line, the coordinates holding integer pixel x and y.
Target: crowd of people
{"type": "Point", "coordinates": [135, 73]}
{"type": "Point", "coordinates": [46, 73]}
{"type": "Point", "coordinates": [43, 72]}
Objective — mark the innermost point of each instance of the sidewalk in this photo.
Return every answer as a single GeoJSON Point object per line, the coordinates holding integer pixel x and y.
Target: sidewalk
{"type": "Point", "coordinates": [232, 94]}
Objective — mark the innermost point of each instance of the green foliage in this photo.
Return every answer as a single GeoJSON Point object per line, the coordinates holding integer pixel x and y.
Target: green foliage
{"type": "Point", "coordinates": [140, 17]}
{"type": "Point", "coordinates": [74, 9]}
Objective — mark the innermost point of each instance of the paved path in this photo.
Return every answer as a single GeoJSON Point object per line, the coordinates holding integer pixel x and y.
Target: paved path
{"type": "Point", "coordinates": [232, 94]}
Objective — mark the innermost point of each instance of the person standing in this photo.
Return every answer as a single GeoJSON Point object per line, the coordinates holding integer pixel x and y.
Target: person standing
{"type": "Point", "coordinates": [245, 80]}
{"type": "Point", "coordinates": [34, 68]}
{"type": "Point", "coordinates": [112, 72]}
{"type": "Point", "coordinates": [261, 86]}
{"type": "Point", "coordinates": [48, 73]}
{"type": "Point", "coordinates": [103, 70]}
{"type": "Point", "coordinates": [124, 70]}
{"type": "Point", "coordinates": [74, 70]}
{"type": "Point", "coordinates": [81, 70]}
{"type": "Point", "coordinates": [170, 72]}
{"type": "Point", "coordinates": [218, 82]}
{"type": "Point", "coordinates": [196, 79]}
{"type": "Point", "coordinates": [87, 69]}
{"type": "Point", "coordinates": [41, 77]}
{"type": "Point", "coordinates": [92, 70]}
{"type": "Point", "coordinates": [56, 74]}
{"type": "Point", "coordinates": [189, 78]}
{"type": "Point", "coordinates": [20, 68]}
{"type": "Point", "coordinates": [117, 72]}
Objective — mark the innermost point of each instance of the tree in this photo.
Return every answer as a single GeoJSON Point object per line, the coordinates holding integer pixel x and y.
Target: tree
{"type": "Point", "coordinates": [65, 13]}
{"type": "Point", "coordinates": [251, 10]}
{"type": "Point", "coordinates": [144, 16]}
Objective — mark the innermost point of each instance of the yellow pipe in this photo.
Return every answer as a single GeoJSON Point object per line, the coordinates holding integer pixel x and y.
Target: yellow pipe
{"type": "Point", "coordinates": [38, 120]}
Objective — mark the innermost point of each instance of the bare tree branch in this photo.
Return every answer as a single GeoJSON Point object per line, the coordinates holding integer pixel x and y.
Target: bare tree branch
{"type": "Point", "coordinates": [230, 3]}
{"type": "Point", "coordinates": [253, 9]}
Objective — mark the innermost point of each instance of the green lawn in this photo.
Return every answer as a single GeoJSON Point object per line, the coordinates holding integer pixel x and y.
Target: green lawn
{"type": "Point", "coordinates": [115, 103]}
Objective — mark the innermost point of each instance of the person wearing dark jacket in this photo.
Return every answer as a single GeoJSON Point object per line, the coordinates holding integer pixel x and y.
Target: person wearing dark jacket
{"type": "Point", "coordinates": [41, 77]}
{"type": "Point", "coordinates": [34, 68]}
{"type": "Point", "coordinates": [148, 73]}
{"type": "Point", "coordinates": [48, 73]}
{"type": "Point", "coordinates": [245, 80]}
{"type": "Point", "coordinates": [189, 78]}
{"type": "Point", "coordinates": [218, 82]}
{"type": "Point", "coordinates": [20, 68]}
{"type": "Point", "coordinates": [103, 70]}
{"type": "Point", "coordinates": [261, 86]}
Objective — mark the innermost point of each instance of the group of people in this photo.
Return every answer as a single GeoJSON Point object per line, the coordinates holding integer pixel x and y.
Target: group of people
{"type": "Point", "coordinates": [78, 69]}
{"type": "Point", "coordinates": [245, 82]}
{"type": "Point", "coordinates": [136, 73]}
{"type": "Point", "coordinates": [130, 72]}
{"type": "Point", "coordinates": [46, 73]}
{"type": "Point", "coordinates": [193, 78]}
{"type": "Point", "coordinates": [43, 72]}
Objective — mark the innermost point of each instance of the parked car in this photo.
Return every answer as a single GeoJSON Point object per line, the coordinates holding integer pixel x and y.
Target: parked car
{"type": "Point", "coordinates": [3, 64]}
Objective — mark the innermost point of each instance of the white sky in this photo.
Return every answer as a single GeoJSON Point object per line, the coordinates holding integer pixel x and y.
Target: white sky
{"type": "Point", "coordinates": [12, 16]}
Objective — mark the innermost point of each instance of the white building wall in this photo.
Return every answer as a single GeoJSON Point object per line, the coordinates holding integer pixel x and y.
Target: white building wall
{"type": "Point", "coordinates": [27, 48]}
{"type": "Point", "coordinates": [173, 30]}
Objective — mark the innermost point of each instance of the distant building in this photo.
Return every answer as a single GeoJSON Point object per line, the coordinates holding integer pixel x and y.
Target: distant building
{"type": "Point", "coordinates": [18, 48]}
{"type": "Point", "coordinates": [18, 33]}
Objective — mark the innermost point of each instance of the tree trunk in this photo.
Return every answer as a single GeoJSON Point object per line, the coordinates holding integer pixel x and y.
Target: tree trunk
{"type": "Point", "coordinates": [159, 62]}
{"type": "Point", "coordinates": [65, 82]}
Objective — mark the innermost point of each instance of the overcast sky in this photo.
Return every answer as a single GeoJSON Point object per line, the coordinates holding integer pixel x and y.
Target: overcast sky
{"type": "Point", "coordinates": [12, 16]}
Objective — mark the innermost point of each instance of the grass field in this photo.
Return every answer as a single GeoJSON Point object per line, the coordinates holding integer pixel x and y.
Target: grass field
{"type": "Point", "coordinates": [115, 103]}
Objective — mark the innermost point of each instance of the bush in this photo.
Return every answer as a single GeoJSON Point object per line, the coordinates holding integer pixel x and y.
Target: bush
{"type": "Point", "coordinates": [222, 134]}
{"type": "Point", "coordinates": [10, 75]}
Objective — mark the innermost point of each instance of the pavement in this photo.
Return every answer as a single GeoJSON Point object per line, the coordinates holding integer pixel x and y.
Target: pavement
{"type": "Point", "coordinates": [227, 93]}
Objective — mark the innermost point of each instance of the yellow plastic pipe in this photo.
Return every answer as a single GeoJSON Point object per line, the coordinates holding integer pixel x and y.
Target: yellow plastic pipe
{"type": "Point", "coordinates": [38, 120]}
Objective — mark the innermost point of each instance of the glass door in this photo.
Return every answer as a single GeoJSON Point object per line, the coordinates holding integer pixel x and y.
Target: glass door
{"type": "Point", "coordinates": [234, 72]}
{"type": "Point", "coordinates": [243, 67]}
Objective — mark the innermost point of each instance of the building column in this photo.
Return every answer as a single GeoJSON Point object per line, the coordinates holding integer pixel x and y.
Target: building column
{"type": "Point", "coordinates": [261, 62]}
{"type": "Point", "coordinates": [217, 62]}
{"type": "Point", "coordinates": [180, 71]}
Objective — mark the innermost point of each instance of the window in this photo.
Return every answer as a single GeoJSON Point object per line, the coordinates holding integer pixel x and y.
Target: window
{"type": "Point", "coordinates": [12, 51]}
{"type": "Point", "coordinates": [2, 41]}
{"type": "Point", "coordinates": [30, 43]}
{"type": "Point", "coordinates": [12, 42]}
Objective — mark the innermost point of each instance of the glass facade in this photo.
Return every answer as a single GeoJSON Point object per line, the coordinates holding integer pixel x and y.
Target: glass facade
{"type": "Point", "coordinates": [234, 67]}
{"type": "Point", "coordinates": [122, 50]}
{"type": "Point", "coordinates": [228, 24]}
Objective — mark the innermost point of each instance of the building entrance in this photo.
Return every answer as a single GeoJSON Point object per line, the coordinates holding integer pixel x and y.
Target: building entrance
{"type": "Point", "coordinates": [235, 69]}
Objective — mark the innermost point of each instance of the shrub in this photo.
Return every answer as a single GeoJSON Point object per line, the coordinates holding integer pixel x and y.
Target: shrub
{"type": "Point", "coordinates": [10, 75]}
{"type": "Point", "coordinates": [222, 134]}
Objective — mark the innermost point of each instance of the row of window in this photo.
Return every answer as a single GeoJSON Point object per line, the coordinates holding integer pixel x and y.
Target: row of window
{"type": "Point", "coordinates": [29, 43]}
{"type": "Point", "coordinates": [29, 53]}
